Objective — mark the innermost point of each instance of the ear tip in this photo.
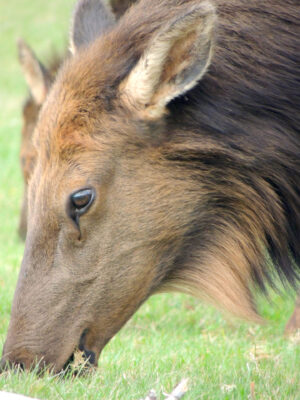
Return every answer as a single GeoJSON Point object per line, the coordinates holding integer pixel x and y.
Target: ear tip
{"type": "Point", "coordinates": [207, 6]}
{"type": "Point", "coordinates": [20, 41]}
{"type": "Point", "coordinates": [23, 48]}
{"type": "Point", "coordinates": [202, 14]}
{"type": "Point", "coordinates": [206, 9]}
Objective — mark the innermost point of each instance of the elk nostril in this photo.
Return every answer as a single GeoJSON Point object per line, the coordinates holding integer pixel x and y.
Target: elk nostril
{"type": "Point", "coordinates": [20, 365]}
{"type": "Point", "coordinates": [6, 365]}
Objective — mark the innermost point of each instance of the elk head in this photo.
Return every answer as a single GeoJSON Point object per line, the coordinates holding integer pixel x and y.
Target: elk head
{"type": "Point", "coordinates": [108, 216]}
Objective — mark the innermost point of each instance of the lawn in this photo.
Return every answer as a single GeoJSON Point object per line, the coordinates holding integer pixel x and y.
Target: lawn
{"type": "Point", "coordinates": [171, 336]}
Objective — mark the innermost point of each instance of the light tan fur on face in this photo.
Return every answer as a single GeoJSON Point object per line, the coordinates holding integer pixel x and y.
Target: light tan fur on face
{"type": "Point", "coordinates": [221, 272]}
{"type": "Point", "coordinates": [220, 276]}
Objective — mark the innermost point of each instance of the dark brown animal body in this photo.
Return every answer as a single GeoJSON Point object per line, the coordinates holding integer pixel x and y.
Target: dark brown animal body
{"type": "Point", "coordinates": [168, 158]}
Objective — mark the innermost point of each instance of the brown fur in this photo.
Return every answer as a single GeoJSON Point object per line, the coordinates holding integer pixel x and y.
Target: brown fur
{"type": "Point", "coordinates": [35, 73]}
{"type": "Point", "coordinates": [200, 198]}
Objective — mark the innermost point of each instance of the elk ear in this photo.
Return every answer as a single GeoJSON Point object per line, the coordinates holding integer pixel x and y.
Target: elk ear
{"type": "Point", "coordinates": [91, 18]}
{"type": "Point", "coordinates": [36, 75]}
{"type": "Point", "coordinates": [175, 60]}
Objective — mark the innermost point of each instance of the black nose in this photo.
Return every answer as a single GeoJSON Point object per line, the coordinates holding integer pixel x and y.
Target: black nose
{"type": "Point", "coordinates": [6, 365]}
{"type": "Point", "coordinates": [3, 366]}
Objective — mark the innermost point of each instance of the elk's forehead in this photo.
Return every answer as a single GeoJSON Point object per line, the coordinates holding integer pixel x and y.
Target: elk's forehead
{"type": "Point", "coordinates": [68, 120]}
{"type": "Point", "coordinates": [81, 100]}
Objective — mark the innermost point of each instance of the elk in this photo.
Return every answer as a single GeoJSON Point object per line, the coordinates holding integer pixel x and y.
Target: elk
{"type": "Point", "coordinates": [168, 158]}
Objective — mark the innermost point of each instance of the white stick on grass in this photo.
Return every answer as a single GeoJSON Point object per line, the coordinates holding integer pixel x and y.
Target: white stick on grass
{"type": "Point", "coordinates": [14, 396]}
{"type": "Point", "coordinates": [177, 393]}
{"type": "Point", "coordinates": [151, 395]}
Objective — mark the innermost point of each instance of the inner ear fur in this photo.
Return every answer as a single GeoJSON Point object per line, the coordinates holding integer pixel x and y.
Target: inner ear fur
{"type": "Point", "coordinates": [176, 58]}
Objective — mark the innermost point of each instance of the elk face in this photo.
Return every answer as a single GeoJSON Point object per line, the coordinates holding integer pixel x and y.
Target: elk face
{"type": "Point", "coordinates": [107, 217]}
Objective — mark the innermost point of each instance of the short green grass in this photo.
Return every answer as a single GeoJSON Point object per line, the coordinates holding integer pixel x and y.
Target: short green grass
{"type": "Point", "coordinates": [172, 336]}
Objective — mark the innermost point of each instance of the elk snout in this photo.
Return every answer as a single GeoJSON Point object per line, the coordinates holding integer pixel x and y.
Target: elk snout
{"type": "Point", "coordinates": [23, 360]}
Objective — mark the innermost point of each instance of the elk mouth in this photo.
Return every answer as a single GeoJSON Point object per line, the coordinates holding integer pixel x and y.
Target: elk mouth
{"type": "Point", "coordinates": [82, 359]}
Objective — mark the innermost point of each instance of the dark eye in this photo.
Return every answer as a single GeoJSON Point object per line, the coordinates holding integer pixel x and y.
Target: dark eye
{"type": "Point", "coordinates": [82, 198]}
{"type": "Point", "coordinates": [80, 202]}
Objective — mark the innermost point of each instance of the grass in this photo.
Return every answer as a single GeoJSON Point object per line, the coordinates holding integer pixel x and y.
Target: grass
{"type": "Point", "coordinates": [171, 336]}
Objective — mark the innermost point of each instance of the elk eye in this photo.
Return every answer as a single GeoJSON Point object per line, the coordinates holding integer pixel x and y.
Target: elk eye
{"type": "Point", "coordinates": [80, 202]}
{"type": "Point", "coordinates": [82, 198]}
